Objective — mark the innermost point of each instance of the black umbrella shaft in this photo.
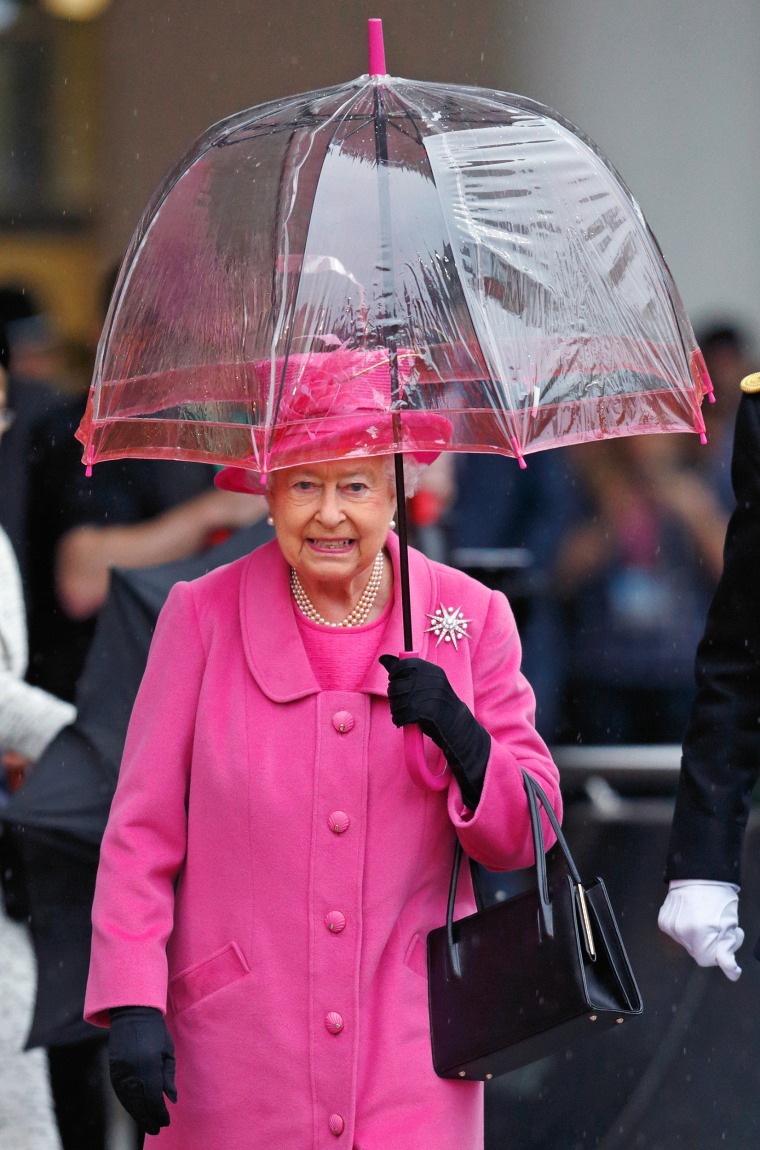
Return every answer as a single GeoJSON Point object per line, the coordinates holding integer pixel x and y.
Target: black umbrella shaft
{"type": "Point", "coordinates": [391, 342]}
{"type": "Point", "coordinates": [403, 555]}
{"type": "Point", "coordinates": [390, 323]}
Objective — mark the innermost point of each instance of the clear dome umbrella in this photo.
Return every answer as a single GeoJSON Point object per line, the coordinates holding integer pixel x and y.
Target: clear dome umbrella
{"type": "Point", "coordinates": [463, 262]}
{"type": "Point", "coordinates": [477, 232]}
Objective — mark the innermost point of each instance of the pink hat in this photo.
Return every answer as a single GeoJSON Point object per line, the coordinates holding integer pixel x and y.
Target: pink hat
{"type": "Point", "coordinates": [336, 405]}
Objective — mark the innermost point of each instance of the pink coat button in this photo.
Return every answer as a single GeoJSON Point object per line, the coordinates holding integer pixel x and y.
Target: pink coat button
{"type": "Point", "coordinates": [334, 1022]}
{"type": "Point", "coordinates": [343, 721]}
{"type": "Point", "coordinates": [335, 921]}
{"type": "Point", "coordinates": [338, 822]}
{"type": "Point", "coordinates": [337, 1125]}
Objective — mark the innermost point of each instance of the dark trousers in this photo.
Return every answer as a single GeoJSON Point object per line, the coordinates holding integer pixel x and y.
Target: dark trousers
{"type": "Point", "coordinates": [78, 1083]}
{"type": "Point", "coordinates": [81, 1091]}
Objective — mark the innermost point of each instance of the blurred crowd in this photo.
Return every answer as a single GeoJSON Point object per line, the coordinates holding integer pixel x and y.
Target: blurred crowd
{"type": "Point", "coordinates": [609, 554]}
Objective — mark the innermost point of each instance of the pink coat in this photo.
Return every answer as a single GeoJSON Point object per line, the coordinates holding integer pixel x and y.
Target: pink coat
{"type": "Point", "coordinates": [264, 871]}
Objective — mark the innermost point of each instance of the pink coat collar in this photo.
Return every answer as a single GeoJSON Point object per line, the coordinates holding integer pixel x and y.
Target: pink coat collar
{"type": "Point", "coordinates": [272, 643]}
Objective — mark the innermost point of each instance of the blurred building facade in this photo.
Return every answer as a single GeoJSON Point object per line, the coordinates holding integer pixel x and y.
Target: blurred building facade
{"type": "Point", "coordinates": [93, 111]}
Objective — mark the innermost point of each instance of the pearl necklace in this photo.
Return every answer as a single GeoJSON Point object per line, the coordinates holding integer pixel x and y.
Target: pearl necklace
{"type": "Point", "coordinates": [361, 611]}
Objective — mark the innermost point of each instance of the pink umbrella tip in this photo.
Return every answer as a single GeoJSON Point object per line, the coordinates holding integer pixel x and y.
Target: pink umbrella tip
{"type": "Point", "coordinates": [376, 48]}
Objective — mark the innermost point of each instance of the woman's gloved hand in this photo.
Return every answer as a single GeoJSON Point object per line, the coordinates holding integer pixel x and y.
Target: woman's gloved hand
{"type": "Point", "coordinates": [703, 916]}
{"type": "Point", "coordinates": [419, 692]}
{"type": "Point", "coordinates": [141, 1061]}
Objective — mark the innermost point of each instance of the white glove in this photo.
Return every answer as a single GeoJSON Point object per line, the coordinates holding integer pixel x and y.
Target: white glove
{"type": "Point", "coordinates": [703, 916]}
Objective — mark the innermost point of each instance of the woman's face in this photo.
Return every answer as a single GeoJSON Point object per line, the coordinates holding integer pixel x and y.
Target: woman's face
{"type": "Point", "coordinates": [331, 519]}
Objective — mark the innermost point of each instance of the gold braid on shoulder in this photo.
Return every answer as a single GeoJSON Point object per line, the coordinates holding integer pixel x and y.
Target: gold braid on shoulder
{"type": "Point", "coordinates": [751, 383]}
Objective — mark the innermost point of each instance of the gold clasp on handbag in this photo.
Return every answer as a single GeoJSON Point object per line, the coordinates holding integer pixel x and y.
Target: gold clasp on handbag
{"type": "Point", "coordinates": [586, 921]}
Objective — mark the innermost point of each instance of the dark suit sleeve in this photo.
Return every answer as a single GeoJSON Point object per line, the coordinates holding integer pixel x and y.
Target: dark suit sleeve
{"type": "Point", "coordinates": [721, 751]}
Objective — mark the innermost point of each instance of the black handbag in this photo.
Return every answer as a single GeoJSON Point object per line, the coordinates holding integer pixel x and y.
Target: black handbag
{"type": "Point", "coordinates": [528, 976]}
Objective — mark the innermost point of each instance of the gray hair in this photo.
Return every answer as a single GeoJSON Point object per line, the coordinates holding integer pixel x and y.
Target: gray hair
{"type": "Point", "coordinates": [413, 470]}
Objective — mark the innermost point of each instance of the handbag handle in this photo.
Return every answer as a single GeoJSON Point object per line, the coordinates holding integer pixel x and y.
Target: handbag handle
{"type": "Point", "coordinates": [535, 795]}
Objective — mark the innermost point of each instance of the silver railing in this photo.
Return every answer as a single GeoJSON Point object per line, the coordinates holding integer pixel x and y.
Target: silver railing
{"type": "Point", "coordinates": [657, 764]}
{"type": "Point", "coordinates": [602, 773]}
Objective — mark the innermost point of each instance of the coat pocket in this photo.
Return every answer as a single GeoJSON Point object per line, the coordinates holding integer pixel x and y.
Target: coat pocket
{"type": "Point", "coordinates": [416, 955]}
{"type": "Point", "coordinates": [204, 978]}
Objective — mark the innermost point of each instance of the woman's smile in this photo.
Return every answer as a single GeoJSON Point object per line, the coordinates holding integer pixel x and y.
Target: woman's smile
{"type": "Point", "coordinates": [330, 545]}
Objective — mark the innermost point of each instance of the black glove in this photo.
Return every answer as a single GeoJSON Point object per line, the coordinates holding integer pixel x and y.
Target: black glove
{"type": "Point", "coordinates": [419, 692]}
{"type": "Point", "coordinates": [141, 1061]}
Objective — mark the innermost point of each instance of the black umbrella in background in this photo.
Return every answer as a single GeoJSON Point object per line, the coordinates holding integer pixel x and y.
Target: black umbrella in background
{"type": "Point", "coordinates": [58, 817]}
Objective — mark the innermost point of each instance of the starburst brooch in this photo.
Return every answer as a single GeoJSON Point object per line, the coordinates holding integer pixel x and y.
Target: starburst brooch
{"type": "Point", "coordinates": [448, 624]}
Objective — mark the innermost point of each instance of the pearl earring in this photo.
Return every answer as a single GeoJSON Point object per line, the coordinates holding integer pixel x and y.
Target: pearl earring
{"type": "Point", "coordinates": [392, 524]}
{"type": "Point", "coordinates": [270, 520]}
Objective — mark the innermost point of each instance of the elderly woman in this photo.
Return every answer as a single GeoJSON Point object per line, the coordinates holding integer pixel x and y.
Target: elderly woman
{"type": "Point", "coordinates": [270, 870]}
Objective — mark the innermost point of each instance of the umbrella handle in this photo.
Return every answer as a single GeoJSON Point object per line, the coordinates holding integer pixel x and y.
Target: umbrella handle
{"type": "Point", "coordinates": [414, 753]}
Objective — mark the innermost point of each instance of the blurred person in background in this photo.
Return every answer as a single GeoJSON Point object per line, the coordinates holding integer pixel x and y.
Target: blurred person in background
{"type": "Point", "coordinates": [500, 507]}
{"type": "Point", "coordinates": [36, 350]}
{"type": "Point", "coordinates": [29, 720]}
{"type": "Point", "coordinates": [634, 573]}
{"type": "Point", "coordinates": [721, 748]}
{"type": "Point", "coordinates": [32, 394]}
{"type": "Point", "coordinates": [726, 347]}
{"type": "Point", "coordinates": [130, 513]}
{"type": "Point", "coordinates": [428, 508]}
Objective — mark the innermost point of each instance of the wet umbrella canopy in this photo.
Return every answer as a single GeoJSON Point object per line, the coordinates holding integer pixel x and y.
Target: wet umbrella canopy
{"type": "Point", "coordinates": [474, 237]}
